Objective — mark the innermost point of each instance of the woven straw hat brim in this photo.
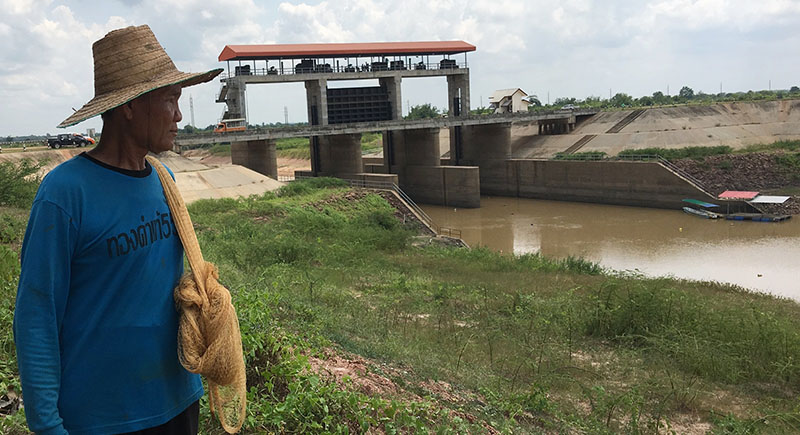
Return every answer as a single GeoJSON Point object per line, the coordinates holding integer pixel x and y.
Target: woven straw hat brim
{"type": "Point", "coordinates": [102, 103]}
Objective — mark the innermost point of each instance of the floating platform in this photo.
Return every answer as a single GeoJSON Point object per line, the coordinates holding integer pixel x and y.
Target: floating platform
{"type": "Point", "coordinates": [757, 217]}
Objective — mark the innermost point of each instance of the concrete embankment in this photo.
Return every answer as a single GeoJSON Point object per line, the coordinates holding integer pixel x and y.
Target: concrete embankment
{"type": "Point", "coordinates": [733, 124]}
{"type": "Point", "coordinates": [642, 184]}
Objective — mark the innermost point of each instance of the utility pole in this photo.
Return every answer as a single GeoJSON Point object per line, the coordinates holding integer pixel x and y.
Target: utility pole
{"type": "Point", "coordinates": [770, 85]}
{"type": "Point", "coordinates": [191, 109]}
{"type": "Point", "coordinates": [720, 87]}
{"type": "Point", "coordinates": [285, 115]}
{"type": "Point", "coordinates": [667, 90]}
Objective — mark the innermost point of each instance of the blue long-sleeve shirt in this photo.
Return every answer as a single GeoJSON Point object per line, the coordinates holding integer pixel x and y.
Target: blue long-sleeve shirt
{"type": "Point", "coordinates": [95, 323]}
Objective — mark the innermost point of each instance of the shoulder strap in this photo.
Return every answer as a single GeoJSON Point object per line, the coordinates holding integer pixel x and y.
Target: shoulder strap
{"type": "Point", "coordinates": [182, 221]}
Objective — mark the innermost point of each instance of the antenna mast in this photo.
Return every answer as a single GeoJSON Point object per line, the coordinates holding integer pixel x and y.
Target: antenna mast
{"type": "Point", "coordinates": [191, 109]}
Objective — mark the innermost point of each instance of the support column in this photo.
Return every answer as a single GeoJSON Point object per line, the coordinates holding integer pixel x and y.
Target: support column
{"type": "Point", "coordinates": [458, 94]}
{"type": "Point", "coordinates": [417, 163]}
{"type": "Point", "coordinates": [339, 154]}
{"type": "Point", "coordinates": [317, 101]}
{"type": "Point", "coordinates": [235, 99]}
{"type": "Point", "coordinates": [394, 89]}
{"type": "Point", "coordinates": [416, 147]}
{"type": "Point", "coordinates": [488, 147]}
{"type": "Point", "coordinates": [258, 155]}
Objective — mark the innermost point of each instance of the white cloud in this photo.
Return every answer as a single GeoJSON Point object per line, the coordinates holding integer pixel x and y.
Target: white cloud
{"type": "Point", "coordinates": [570, 47]}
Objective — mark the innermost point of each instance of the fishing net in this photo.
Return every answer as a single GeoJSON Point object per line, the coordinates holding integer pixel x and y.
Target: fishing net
{"type": "Point", "coordinates": [209, 341]}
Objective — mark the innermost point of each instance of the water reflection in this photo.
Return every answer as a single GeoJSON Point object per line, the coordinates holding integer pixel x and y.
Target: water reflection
{"type": "Point", "coordinates": [755, 255]}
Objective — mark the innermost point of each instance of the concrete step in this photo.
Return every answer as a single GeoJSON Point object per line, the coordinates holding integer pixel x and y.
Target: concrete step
{"type": "Point", "coordinates": [625, 121]}
{"type": "Point", "coordinates": [580, 143]}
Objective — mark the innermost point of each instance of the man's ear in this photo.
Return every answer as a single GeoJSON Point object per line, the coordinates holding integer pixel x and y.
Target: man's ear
{"type": "Point", "coordinates": [127, 109]}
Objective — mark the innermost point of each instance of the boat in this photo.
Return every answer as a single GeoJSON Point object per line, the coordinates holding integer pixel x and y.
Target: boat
{"type": "Point", "coordinates": [702, 213]}
{"type": "Point", "coordinates": [757, 217]}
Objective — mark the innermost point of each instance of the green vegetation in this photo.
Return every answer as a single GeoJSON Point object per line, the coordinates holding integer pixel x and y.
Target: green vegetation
{"type": "Point", "coordinates": [686, 95]}
{"type": "Point", "coordinates": [788, 152]}
{"type": "Point", "coordinates": [19, 182]}
{"type": "Point", "coordinates": [298, 148]}
{"type": "Point", "coordinates": [223, 150]}
{"type": "Point", "coordinates": [423, 111]}
{"type": "Point", "coordinates": [586, 155]}
{"type": "Point", "coordinates": [469, 337]}
{"type": "Point", "coordinates": [678, 153]}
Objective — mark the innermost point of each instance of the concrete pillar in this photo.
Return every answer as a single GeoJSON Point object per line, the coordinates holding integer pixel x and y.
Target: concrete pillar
{"type": "Point", "coordinates": [317, 101]}
{"type": "Point", "coordinates": [258, 155]}
{"type": "Point", "coordinates": [340, 154]}
{"type": "Point", "coordinates": [488, 147]}
{"type": "Point", "coordinates": [458, 87]}
{"type": "Point", "coordinates": [235, 98]}
{"type": "Point", "coordinates": [416, 147]}
{"type": "Point", "coordinates": [394, 89]}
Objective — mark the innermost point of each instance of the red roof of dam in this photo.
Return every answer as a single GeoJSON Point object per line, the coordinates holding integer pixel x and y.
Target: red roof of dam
{"type": "Point", "coordinates": [275, 51]}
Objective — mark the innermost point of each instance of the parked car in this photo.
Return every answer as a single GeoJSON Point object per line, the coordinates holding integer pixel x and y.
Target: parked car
{"type": "Point", "coordinates": [69, 139]}
{"type": "Point", "coordinates": [569, 107]}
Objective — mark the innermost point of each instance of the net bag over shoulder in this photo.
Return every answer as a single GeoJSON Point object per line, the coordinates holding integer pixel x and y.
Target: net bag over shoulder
{"type": "Point", "coordinates": [209, 341]}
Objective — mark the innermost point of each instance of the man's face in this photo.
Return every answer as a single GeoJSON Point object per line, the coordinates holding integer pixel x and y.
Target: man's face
{"type": "Point", "coordinates": [155, 117]}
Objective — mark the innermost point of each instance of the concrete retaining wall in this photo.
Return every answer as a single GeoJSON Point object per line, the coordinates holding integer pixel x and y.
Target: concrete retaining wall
{"type": "Point", "coordinates": [643, 184]}
{"type": "Point", "coordinates": [455, 186]}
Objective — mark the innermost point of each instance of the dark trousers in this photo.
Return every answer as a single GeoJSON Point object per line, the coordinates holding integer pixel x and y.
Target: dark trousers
{"type": "Point", "coordinates": [184, 423]}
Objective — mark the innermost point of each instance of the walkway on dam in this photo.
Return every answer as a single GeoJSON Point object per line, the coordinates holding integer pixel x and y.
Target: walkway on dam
{"type": "Point", "coordinates": [363, 127]}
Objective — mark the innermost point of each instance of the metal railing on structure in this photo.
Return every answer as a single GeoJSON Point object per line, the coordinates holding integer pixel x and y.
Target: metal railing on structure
{"type": "Point", "coordinates": [639, 158]}
{"type": "Point", "coordinates": [326, 68]}
{"type": "Point", "coordinates": [416, 209]}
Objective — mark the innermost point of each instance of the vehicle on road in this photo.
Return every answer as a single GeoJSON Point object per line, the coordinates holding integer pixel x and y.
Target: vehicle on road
{"type": "Point", "coordinates": [226, 125]}
{"type": "Point", "coordinates": [69, 139]}
{"type": "Point", "coordinates": [569, 107]}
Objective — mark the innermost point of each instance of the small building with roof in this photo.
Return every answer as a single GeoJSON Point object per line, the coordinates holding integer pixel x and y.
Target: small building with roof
{"type": "Point", "coordinates": [509, 101]}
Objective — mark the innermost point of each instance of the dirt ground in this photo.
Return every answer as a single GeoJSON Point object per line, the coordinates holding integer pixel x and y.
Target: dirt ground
{"type": "Point", "coordinates": [286, 167]}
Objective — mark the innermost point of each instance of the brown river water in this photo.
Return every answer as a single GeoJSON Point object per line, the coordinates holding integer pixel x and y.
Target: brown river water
{"type": "Point", "coordinates": [655, 242]}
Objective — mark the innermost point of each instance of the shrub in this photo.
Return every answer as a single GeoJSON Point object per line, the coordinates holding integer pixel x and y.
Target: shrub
{"type": "Point", "coordinates": [19, 181]}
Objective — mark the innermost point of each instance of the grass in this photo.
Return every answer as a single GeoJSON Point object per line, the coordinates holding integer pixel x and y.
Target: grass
{"type": "Point", "coordinates": [298, 148]}
{"type": "Point", "coordinates": [700, 152]}
{"type": "Point", "coordinates": [695, 152]}
{"type": "Point", "coordinates": [525, 343]}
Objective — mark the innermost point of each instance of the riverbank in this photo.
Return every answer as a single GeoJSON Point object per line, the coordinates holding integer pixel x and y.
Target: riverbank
{"type": "Point", "coordinates": [434, 338]}
{"type": "Point", "coordinates": [771, 173]}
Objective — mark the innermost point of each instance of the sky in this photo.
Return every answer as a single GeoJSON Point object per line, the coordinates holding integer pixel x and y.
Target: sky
{"type": "Point", "coordinates": [548, 48]}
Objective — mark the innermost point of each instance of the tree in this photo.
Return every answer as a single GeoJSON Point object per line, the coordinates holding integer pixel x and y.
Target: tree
{"type": "Point", "coordinates": [482, 111]}
{"type": "Point", "coordinates": [534, 100]}
{"type": "Point", "coordinates": [9, 139]}
{"type": "Point", "coordinates": [621, 100]}
{"type": "Point", "coordinates": [686, 93]}
{"type": "Point", "coordinates": [794, 90]}
{"type": "Point", "coordinates": [560, 101]}
{"type": "Point", "coordinates": [423, 111]}
{"type": "Point", "coordinates": [645, 101]}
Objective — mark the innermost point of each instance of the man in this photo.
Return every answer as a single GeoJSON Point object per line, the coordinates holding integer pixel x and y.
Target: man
{"type": "Point", "coordinates": [95, 324]}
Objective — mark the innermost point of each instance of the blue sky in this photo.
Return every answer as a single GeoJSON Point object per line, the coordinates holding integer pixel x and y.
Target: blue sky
{"type": "Point", "coordinates": [565, 48]}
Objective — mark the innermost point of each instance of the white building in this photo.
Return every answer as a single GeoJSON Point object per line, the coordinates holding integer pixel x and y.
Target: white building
{"type": "Point", "coordinates": [508, 101]}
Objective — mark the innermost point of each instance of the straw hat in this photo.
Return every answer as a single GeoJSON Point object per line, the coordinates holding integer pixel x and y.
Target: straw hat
{"type": "Point", "coordinates": [130, 62]}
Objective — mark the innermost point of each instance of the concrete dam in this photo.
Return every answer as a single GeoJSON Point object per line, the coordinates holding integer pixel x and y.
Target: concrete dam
{"type": "Point", "coordinates": [505, 155]}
